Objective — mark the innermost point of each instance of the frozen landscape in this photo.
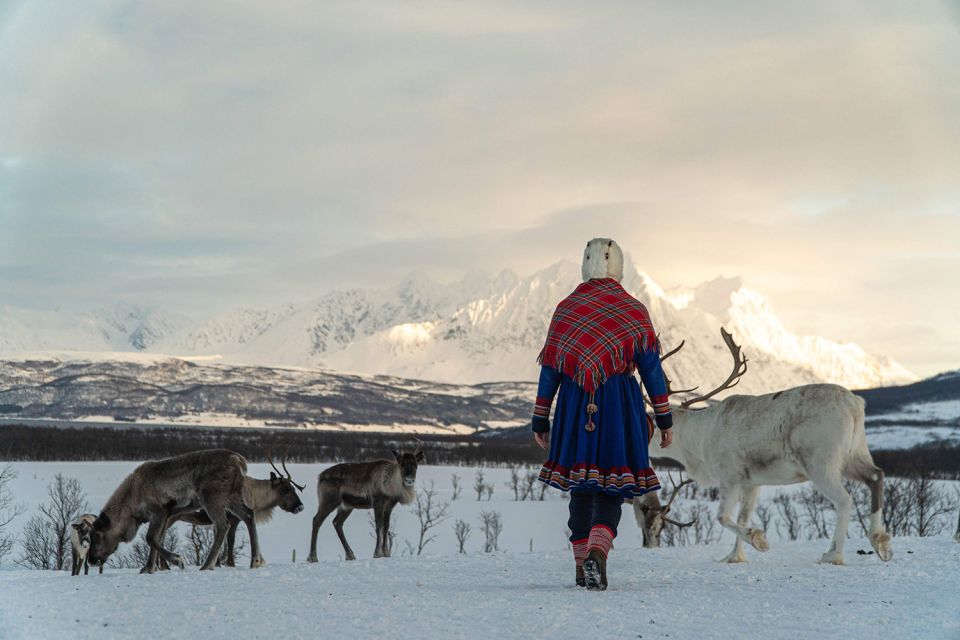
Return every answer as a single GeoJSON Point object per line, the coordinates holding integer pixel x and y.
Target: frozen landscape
{"type": "Point", "coordinates": [671, 592]}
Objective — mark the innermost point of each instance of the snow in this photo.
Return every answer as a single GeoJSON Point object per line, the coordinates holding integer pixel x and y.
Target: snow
{"type": "Point", "coordinates": [934, 411]}
{"type": "Point", "coordinates": [662, 593]}
{"type": "Point", "coordinates": [680, 592]}
{"type": "Point", "coordinates": [906, 437]}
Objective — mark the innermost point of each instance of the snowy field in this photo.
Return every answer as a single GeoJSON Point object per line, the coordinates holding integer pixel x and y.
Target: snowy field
{"type": "Point", "coordinates": [665, 593]}
{"type": "Point", "coordinates": [680, 592]}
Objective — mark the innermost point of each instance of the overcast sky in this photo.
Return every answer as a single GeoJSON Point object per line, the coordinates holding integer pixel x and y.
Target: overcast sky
{"type": "Point", "coordinates": [204, 155]}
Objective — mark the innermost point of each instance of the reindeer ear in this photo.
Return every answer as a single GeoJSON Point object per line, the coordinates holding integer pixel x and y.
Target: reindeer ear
{"type": "Point", "coordinates": [420, 457]}
{"type": "Point", "coordinates": [273, 477]}
{"type": "Point", "coordinates": [397, 455]}
{"type": "Point", "coordinates": [75, 525]}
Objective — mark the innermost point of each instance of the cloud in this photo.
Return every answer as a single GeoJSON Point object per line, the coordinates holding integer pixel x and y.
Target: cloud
{"type": "Point", "coordinates": [204, 155]}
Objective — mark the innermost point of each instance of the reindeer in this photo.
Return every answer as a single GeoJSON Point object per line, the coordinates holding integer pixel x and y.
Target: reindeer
{"type": "Point", "coordinates": [652, 516]}
{"type": "Point", "coordinates": [262, 496]}
{"type": "Point", "coordinates": [813, 432]}
{"type": "Point", "coordinates": [377, 485]}
{"type": "Point", "coordinates": [210, 480]}
{"type": "Point", "coordinates": [80, 541]}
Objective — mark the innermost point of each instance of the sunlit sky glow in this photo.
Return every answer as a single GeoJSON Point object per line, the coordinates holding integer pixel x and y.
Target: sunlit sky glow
{"type": "Point", "coordinates": [206, 155]}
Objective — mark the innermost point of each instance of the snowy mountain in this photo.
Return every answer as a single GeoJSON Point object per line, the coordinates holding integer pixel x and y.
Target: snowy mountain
{"type": "Point", "coordinates": [122, 327]}
{"type": "Point", "coordinates": [476, 330]}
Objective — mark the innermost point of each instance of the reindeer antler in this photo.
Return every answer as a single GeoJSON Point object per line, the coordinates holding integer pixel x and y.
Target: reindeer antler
{"type": "Point", "coordinates": [739, 368]}
{"type": "Point", "coordinates": [270, 460]}
{"type": "Point", "coordinates": [419, 445]}
{"type": "Point", "coordinates": [667, 379]}
{"type": "Point", "coordinates": [283, 463]}
{"type": "Point", "coordinates": [673, 496]}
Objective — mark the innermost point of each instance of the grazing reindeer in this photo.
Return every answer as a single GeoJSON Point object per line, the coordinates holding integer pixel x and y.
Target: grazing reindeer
{"type": "Point", "coordinates": [80, 541]}
{"type": "Point", "coordinates": [262, 496]}
{"type": "Point", "coordinates": [211, 481]}
{"type": "Point", "coordinates": [652, 516]}
{"type": "Point", "coordinates": [377, 485]}
{"type": "Point", "coordinates": [813, 432]}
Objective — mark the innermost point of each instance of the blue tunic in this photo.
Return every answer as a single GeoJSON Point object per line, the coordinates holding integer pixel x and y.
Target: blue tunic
{"type": "Point", "coordinates": [613, 458]}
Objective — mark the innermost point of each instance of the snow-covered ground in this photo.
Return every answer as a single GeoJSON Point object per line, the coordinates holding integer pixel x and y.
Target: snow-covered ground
{"type": "Point", "coordinates": [680, 592]}
{"type": "Point", "coordinates": [665, 593]}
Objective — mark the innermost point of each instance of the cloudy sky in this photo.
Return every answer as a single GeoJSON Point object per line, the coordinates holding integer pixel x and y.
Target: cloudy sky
{"type": "Point", "coordinates": [204, 155]}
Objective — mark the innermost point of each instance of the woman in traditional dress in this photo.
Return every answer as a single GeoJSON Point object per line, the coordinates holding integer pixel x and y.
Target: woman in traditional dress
{"type": "Point", "coordinates": [598, 337]}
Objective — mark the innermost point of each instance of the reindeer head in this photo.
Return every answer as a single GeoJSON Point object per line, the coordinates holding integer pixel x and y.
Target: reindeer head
{"type": "Point", "coordinates": [408, 464]}
{"type": "Point", "coordinates": [105, 536]}
{"type": "Point", "coordinates": [285, 487]}
{"type": "Point", "coordinates": [83, 529]}
{"type": "Point", "coordinates": [652, 516]}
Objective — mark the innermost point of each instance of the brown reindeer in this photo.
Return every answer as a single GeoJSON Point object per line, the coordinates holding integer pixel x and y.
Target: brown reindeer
{"type": "Point", "coordinates": [377, 485]}
{"type": "Point", "coordinates": [210, 480]}
{"type": "Point", "coordinates": [262, 496]}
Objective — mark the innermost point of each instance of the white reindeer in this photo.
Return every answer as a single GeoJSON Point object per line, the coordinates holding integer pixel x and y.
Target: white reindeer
{"type": "Point", "coordinates": [80, 542]}
{"type": "Point", "coordinates": [813, 432]}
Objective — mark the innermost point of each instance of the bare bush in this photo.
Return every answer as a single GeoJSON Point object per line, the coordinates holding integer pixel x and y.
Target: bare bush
{"type": "Point", "coordinates": [488, 491]}
{"type": "Point", "coordinates": [932, 505]}
{"type": "Point", "coordinates": [514, 482]}
{"type": "Point", "coordinates": [9, 510]}
{"type": "Point", "coordinates": [764, 515]}
{"type": "Point", "coordinates": [528, 485]}
{"type": "Point", "coordinates": [457, 483]}
{"type": "Point", "coordinates": [492, 527]}
{"type": "Point", "coordinates": [45, 541]}
{"type": "Point", "coordinates": [461, 530]}
{"type": "Point", "coordinates": [429, 513]}
{"type": "Point", "coordinates": [815, 505]}
{"type": "Point", "coordinates": [479, 484]}
{"type": "Point", "coordinates": [789, 517]}
{"type": "Point", "coordinates": [198, 542]}
{"type": "Point", "coordinates": [897, 507]}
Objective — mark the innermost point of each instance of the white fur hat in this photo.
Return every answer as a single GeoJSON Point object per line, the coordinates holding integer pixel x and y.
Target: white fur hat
{"type": "Point", "coordinates": [602, 259]}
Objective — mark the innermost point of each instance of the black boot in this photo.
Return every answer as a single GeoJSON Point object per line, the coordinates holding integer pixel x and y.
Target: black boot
{"type": "Point", "coordinates": [595, 571]}
{"type": "Point", "coordinates": [581, 580]}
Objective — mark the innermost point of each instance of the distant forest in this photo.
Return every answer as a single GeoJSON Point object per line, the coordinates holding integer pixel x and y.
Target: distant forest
{"type": "Point", "coordinates": [508, 447]}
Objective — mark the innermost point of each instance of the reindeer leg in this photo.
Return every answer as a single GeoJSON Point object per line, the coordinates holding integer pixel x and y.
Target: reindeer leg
{"type": "Point", "coordinates": [86, 566]}
{"type": "Point", "coordinates": [326, 507]}
{"type": "Point", "coordinates": [756, 537]}
{"type": "Point", "coordinates": [872, 476]}
{"type": "Point", "coordinates": [218, 515]}
{"type": "Point", "coordinates": [153, 539]}
{"type": "Point", "coordinates": [832, 488]}
{"type": "Point", "coordinates": [387, 513]}
{"type": "Point", "coordinates": [341, 517]}
{"type": "Point", "coordinates": [75, 566]}
{"type": "Point", "coordinates": [378, 526]}
{"type": "Point", "coordinates": [231, 540]}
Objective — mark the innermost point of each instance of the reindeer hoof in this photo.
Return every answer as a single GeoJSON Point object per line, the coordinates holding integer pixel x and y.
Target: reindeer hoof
{"type": "Point", "coordinates": [175, 559]}
{"type": "Point", "coordinates": [831, 557]}
{"type": "Point", "coordinates": [259, 562]}
{"type": "Point", "coordinates": [312, 559]}
{"type": "Point", "coordinates": [881, 544]}
{"type": "Point", "coordinates": [147, 570]}
{"type": "Point", "coordinates": [735, 558]}
{"type": "Point", "coordinates": [758, 540]}
{"type": "Point", "coordinates": [350, 556]}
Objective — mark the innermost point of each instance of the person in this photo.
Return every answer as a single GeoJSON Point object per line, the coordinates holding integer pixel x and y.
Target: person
{"type": "Point", "coordinates": [598, 338]}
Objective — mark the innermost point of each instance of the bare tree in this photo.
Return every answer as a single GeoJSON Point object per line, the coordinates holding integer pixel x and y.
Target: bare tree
{"type": "Point", "coordinates": [488, 490]}
{"type": "Point", "coordinates": [529, 483]}
{"type": "Point", "coordinates": [492, 527]}
{"type": "Point", "coordinates": [38, 546]}
{"type": "Point", "coordinates": [429, 513]}
{"type": "Point", "coordinates": [457, 483]}
{"type": "Point", "coordinates": [479, 484]}
{"type": "Point", "coordinates": [815, 505]}
{"type": "Point", "coordinates": [898, 507]}
{"type": "Point", "coordinates": [764, 515]}
{"type": "Point", "coordinates": [788, 515]}
{"type": "Point", "coordinates": [514, 482]}
{"type": "Point", "coordinates": [8, 509]}
{"type": "Point", "coordinates": [45, 541]}
{"type": "Point", "coordinates": [461, 530]}
{"type": "Point", "coordinates": [199, 541]}
{"type": "Point", "coordinates": [931, 503]}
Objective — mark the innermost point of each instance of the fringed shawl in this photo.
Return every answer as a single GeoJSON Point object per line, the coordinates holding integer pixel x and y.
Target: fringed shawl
{"type": "Point", "coordinates": [596, 332]}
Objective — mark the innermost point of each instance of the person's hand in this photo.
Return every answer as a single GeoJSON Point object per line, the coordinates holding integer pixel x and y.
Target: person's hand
{"type": "Point", "coordinates": [666, 438]}
{"type": "Point", "coordinates": [542, 438]}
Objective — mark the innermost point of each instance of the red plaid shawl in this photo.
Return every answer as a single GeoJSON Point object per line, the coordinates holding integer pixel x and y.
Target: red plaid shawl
{"type": "Point", "coordinates": [595, 333]}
